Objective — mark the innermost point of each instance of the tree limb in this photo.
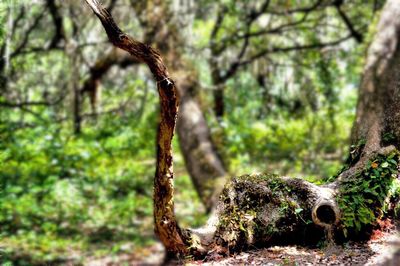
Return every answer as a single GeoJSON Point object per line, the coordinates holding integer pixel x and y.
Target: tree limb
{"type": "Point", "coordinates": [166, 226]}
{"type": "Point", "coordinates": [25, 39]}
{"type": "Point", "coordinates": [306, 9]}
{"type": "Point", "coordinates": [293, 48]}
{"type": "Point", "coordinates": [58, 24]}
{"type": "Point", "coordinates": [357, 35]}
{"type": "Point", "coordinates": [97, 71]}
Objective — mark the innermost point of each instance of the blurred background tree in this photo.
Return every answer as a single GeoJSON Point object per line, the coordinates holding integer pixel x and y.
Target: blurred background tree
{"type": "Point", "coordinates": [265, 86]}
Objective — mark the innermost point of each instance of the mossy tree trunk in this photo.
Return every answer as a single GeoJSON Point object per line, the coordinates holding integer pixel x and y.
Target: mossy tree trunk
{"type": "Point", "coordinates": [259, 210]}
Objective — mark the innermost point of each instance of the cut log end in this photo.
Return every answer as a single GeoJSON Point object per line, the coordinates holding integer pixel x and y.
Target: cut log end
{"type": "Point", "coordinates": [326, 213]}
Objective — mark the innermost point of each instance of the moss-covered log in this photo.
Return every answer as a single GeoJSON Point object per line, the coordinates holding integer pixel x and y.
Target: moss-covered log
{"type": "Point", "coordinates": [261, 209]}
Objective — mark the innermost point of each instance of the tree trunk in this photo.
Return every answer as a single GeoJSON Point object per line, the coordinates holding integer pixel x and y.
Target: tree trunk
{"type": "Point", "coordinates": [72, 52]}
{"type": "Point", "coordinates": [219, 89]}
{"type": "Point", "coordinates": [202, 160]}
{"type": "Point", "coordinates": [219, 105]}
{"type": "Point", "coordinates": [259, 210]}
{"type": "Point", "coordinates": [378, 112]}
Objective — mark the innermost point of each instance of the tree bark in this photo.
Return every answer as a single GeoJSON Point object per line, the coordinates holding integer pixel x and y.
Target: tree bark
{"type": "Point", "coordinates": [201, 157]}
{"type": "Point", "coordinates": [202, 160]}
{"type": "Point", "coordinates": [219, 87]}
{"type": "Point", "coordinates": [219, 105]}
{"type": "Point", "coordinates": [71, 51]}
{"type": "Point", "coordinates": [166, 226]}
{"type": "Point", "coordinates": [378, 112]}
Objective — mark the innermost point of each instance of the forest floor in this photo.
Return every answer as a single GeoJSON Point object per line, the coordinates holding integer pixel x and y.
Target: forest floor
{"type": "Point", "coordinates": [382, 249]}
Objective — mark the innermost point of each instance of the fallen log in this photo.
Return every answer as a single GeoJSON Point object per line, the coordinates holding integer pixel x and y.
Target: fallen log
{"type": "Point", "coordinates": [261, 209]}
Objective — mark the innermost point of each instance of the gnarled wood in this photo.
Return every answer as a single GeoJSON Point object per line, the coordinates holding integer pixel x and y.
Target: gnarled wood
{"type": "Point", "coordinates": [166, 226]}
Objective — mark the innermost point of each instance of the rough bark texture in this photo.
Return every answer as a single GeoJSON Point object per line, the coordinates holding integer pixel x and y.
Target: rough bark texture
{"type": "Point", "coordinates": [260, 210]}
{"type": "Point", "coordinates": [378, 112]}
{"type": "Point", "coordinates": [202, 160]}
{"type": "Point", "coordinates": [166, 226]}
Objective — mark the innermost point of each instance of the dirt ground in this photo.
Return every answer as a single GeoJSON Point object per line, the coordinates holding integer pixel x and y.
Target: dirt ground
{"type": "Point", "coordinates": [382, 249]}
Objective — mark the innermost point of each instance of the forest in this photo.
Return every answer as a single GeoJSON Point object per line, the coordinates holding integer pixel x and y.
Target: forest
{"type": "Point", "coordinates": [191, 132]}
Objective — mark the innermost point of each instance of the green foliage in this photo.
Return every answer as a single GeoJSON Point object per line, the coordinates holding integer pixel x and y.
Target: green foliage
{"type": "Point", "coordinates": [2, 21]}
{"type": "Point", "coordinates": [362, 198]}
{"type": "Point", "coordinates": [91, 193]}
{"type": "Point", "coordinates": [283, 142]}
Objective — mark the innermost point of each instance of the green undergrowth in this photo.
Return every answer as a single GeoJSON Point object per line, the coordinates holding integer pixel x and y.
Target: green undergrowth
{"type": "Point", "coordinates": [364, 198]}
{"type": "Point", "coordinates": [309, 143]}
{"type": "Point", "coordinates": [67, 198]}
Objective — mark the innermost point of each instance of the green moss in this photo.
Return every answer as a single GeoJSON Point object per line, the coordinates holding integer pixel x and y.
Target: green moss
{"type": "Point", "coordinates": [247, 200]}
{"type": "Point", "coordinates": [258, 177]}
{"type": "Point", "coordinates": [362, 198]}
{"type": "Point", "coordinates": [274, 182]}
